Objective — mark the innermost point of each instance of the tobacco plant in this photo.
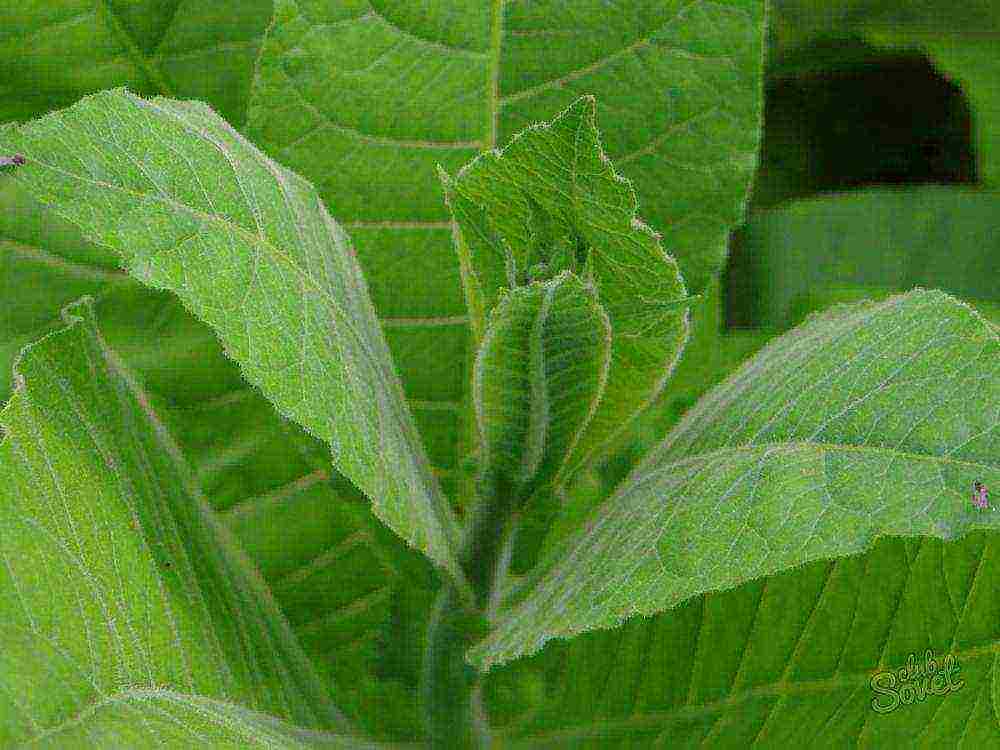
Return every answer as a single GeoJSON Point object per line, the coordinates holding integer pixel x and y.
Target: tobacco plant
{"type": "Point", "coordinates": [322, 419]}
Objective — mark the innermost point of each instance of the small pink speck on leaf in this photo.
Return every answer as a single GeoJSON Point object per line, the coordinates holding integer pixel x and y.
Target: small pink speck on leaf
{"type": "Point", "coordinates": [11, 161]}
{"type": "Point", "coordinates": [980, 495]}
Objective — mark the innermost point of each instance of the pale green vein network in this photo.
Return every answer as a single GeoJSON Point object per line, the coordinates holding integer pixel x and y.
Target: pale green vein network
{"type": "Point", "coordinates": [330, 62]}
{"type": "Point", "coordinates": [867, 421]}
{"type": "Point", "coordinates": [192, 207]}
{"type": "Point", "coordinates": [114, 572]}
{"type": "Point", "coordinates": [167, 719]}
{"type": "Point", "coordinates": [538, 379]}
{"type": "Point", "coordinates": [552, 195]}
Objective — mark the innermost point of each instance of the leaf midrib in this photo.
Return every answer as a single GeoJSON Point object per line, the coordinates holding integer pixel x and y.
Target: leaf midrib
{"type": "Point", "coordinates": [493, 86]}
{"type": "Point", "coordinates": [436, 502]}
{"type": "Point", "coordinates": [802, 445]}
{"type": "Point", "coordinates": [253, 240]}
{"type": "Point", "coordinates": [85, 271]}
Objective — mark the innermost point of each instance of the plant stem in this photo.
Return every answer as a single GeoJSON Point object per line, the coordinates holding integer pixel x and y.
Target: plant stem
{"type": "Point", "coordinates": [446, 679]}
{"type": "Point", "coordinates": [488, 530]}
{"type": "Point", "coordinates": [447, 682]}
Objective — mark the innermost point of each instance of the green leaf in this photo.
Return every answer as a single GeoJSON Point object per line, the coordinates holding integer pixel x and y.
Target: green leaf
{"type": "Point", "coordinates": [191, 207]}
{"type": "Point", "coordinates": [54, 52]}
{"type": "Point", "coordinates": [868, 420]}
{"type": "Point", "coordinates": [883, 239]}
{"type": "Point", "coordinates": [365, 102]}
{"type": "Point", "coordinates": [154, 717]}
{"type": "Point", "coordinates": [268, 480]}
{"type": "Point", "coordinates": [539, 377]}
{"type": "Point", "coordinates": [784, 661]}
{"type": "Point", "coordinates": [553, 187]}
{"type": "Point", "coordinates": [118, 583]}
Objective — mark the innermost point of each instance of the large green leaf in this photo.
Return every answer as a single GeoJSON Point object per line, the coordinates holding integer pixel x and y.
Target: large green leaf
{"type": "Point", "coordinates": [776, 662]}
{"type": "Point", "coordinates": [54, 52]}
{"type": "Point", "coordinates": [275, 478]}
{"type": "Point", "coordinates": [785, 661]}
{"type": "Point", "coordinates": [539, 377]}
{"type": "Point", "coordinates": [868, 420]}
{"type": "Point", "coordinates": [334, 569]}
{"type": "Point", "coordinates": [269, 481]}
{"type": "Point", "coordinates": [119, 586]}
{"type": "Point", "coordinates": [366, 98]}
{"type": "Point", "coordinates": [193, 208]}
{"type": "Point", "coordinates": [882, 239]}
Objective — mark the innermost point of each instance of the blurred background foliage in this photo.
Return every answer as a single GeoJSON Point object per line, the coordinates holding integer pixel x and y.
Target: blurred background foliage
{"type": "Point", "coordinates": [880, 158]}
{"type": "Point", "coordinates": [879, 171]}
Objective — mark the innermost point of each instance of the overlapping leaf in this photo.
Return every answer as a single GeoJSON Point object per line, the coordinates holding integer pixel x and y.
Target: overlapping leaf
{"type": "Point", "coordinates": [539, 377]}
{"type": "Point", "coordinates": [869, 420]}
{"type": "Point", "coordinates": [783, 661]}
{"type": "Point", "coordinates": [267, 479]}
{"type": "Point", "coordinates": [891, 239]}
{"type": "Point", "coordinates": [365, 99]}
{"type": "Point", "coordinates": [552, 199]}
{"type": "Point", "coordinates": [709, 357]}
{"type": "Point", "coordinates": [192, 207]}
{"type": "Point", "coordinates": [117, 580]}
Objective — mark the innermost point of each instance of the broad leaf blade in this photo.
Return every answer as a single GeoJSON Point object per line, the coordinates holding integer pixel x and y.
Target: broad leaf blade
{"type": "Point", "coordinates": [117, 575]}
{"type": "Point", "coordinates": [779, 662]}
{"type": "Point", "coordinates": [250, 249]}
{"type": "Point", "coordinates": [340, 582]}
{"type": "Point", "coordinates": [539, 377]}
{"type": "Point", "coordinates": [366, 102]}
{"type": "Point", "coordinates": [869, 420]}
{"type": "Point", "coordinates": [883, 239]}
{"type": "Point", "coordinates": [161, 718]}
{"type": "Point", "coordinates": [552, 198]}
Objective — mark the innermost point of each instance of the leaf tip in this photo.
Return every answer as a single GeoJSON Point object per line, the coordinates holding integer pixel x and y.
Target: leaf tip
{"type": "Point", "coordinates": [588, 103]}
{"type": "Point", "coordinates": [78, 310]}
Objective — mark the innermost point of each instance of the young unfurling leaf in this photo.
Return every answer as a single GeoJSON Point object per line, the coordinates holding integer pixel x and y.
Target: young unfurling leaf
{"type": "Point", "coordinates": [538, 379]}
{"type": "Point", "coordinates": [549, 202]}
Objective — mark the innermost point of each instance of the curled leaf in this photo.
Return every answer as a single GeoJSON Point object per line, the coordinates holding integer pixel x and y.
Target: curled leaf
{"type": "Point", "coordinates": [538, 379]}
{"type": "Point", "coordinates": [550, 202]}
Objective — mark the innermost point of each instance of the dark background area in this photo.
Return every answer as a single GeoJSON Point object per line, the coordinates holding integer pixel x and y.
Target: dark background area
{"type": "Point", "coordinates": [842, 115]}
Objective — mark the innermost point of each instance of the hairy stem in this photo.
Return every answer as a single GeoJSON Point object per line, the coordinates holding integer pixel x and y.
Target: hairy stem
{"type": "Point", "coordinates": [447, 682]}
